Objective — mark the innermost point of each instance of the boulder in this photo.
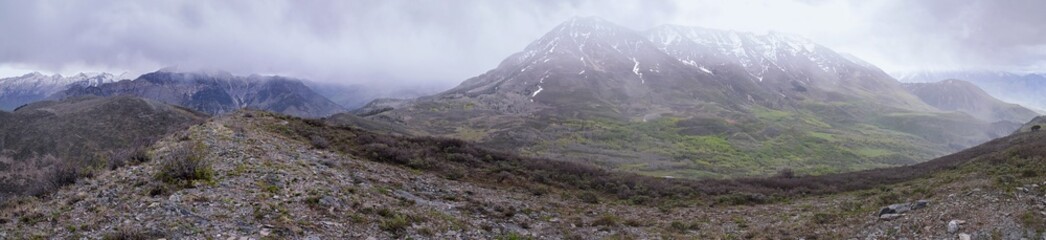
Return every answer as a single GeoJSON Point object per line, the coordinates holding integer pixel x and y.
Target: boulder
{"type": "Point", "coordinates": [920, 204]}
{"type": "Point", "coordinates": [963, 236]}
{"type": "Point", "coordinates": [896, 209]}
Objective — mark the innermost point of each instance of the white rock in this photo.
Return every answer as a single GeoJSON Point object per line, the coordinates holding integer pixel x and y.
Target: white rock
{"type": "Point", "coordinates": [963, 236]}
{"type": "Point", "coordinates": [953, 226]}
{"type": "Point", "coordinates": [890, 216]}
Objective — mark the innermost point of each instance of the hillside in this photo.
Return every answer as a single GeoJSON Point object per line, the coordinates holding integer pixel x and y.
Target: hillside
{"type": "Point", "coordinates": [1021, 88]}
{"type": "Point", "coordinates": [54, 142]}
{"type": "Point", "coordinates": [272, 176]}
{"type": "Point", "coordinates": [690, 102]}
{"type": "Point", "coordinates": [32, 87]}
{"type": "Point", "coordinates": [963, 96]}
{"type": "Point", "coordinates": [1030, 126]}
{"type": "Point", "coordinates": [217, 93]}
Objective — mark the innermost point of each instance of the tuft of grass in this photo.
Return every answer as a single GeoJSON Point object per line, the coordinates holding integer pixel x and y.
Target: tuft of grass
{"type": "Point", "coordinates": [1032, 220]}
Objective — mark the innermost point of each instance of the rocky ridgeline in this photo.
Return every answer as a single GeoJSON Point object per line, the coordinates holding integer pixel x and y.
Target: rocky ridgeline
{"type": "Point", "coordinates": [973, 214]}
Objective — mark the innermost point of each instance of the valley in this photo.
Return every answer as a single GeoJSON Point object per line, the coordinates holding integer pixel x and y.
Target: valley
{"type": "Point", "coordinates": [271, 177]}
{"type": "Point", "coordinates": [512, 120]}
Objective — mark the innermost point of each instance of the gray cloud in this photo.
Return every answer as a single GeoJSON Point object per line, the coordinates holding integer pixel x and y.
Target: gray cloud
{"type": "Point", "coordinates": [444, 42]}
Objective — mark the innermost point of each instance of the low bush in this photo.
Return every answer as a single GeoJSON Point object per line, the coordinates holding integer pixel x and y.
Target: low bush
{"type": "Point", "coordinates": [395, 223]}
{"type": "Point", "coordinates": [319, 142]}
{"type": "Point", "coordinates": [183, 165]}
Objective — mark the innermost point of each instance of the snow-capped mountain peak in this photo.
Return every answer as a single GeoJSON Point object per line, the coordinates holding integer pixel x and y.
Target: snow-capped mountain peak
{"type": "Point", "coordinates": [35, 86]}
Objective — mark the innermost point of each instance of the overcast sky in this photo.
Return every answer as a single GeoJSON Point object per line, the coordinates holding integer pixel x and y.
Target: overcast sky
{"type": "Point", "coordinates": [447, 41]}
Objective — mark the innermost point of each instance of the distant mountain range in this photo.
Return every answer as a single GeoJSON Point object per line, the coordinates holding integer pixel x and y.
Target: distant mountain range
{"type": "Point", "coordinates": [1022, 88]}
{"type": "Point", "coordinates": [216, 92]}
{"type": "Point", "coordinates": [32, 87]}
{"type": "Point", "coordinates": [354, 96]}
{"type": "Point", "coordinates": [692, 102]}
{"type": "Point", "coordinates": [963, 96]}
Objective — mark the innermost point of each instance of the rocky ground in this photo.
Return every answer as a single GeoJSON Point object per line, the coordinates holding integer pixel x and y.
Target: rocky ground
{"type": "Point", "coordinates": [265, 186]}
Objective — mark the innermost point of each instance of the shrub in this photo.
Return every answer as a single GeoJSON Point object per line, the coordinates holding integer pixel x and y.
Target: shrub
{"type": "Point", "coordinates": [588, 197]}
{"type": "Point", "coordinates": [139, 155]}
{"type": "Point", "coordinates": [682, 227]}
{"type": "Point", "coordinates": [395, 223]}
{"type": "Point", "coordinates": [319, 142]}
{"type": "Point", "coordinates": [786, 173]}
{"type": "Point", "coordinates": [607, 220]}
{"type": "Point", "coordinates": [1032, 220]}
{"type": "Point", "coordinates": [63, 174]}
{"type": "Point", "coordinates": [130, 156]}
{"type": "Point", "coordinates": [185, 164]}
{"type": "Point", "coordinates": [823, 218]}
{"type": "Point", "coordinates": [742, 199]}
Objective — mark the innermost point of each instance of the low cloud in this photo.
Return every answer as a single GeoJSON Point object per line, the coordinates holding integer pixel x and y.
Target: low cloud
{"type": "Point", "coordinates": [444, 42]}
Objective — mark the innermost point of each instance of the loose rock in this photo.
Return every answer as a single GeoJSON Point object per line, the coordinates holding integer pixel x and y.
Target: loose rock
{"type": "Point", "coordinates": [953, 226]}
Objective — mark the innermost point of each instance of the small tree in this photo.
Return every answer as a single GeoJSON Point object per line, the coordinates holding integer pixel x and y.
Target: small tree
{"type": "Point", "coordinates": [1036, 128]}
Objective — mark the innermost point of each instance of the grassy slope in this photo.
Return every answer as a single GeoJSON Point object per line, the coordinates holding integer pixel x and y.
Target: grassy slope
{"type": "Point", "coordinates": [709, 140]}
{"type": "Point", "coordinates": [769, 141]}
{"type": "Point", "coordinates": [499, 190]}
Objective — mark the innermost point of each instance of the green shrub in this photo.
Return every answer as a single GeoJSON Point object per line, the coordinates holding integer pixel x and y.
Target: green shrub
{"type": "Point", "coordinates": [606, 220]}
{"type": "Point", "coordinates": [823, 218]}
{"type": "Point", "coordinates": [588, 197]}
{"type": "Point", "coordinates": [184, 165]}
{"type": "Point", "coordinates": [682, 227]}
{"type": "Point", "coordinates": [395, 223]}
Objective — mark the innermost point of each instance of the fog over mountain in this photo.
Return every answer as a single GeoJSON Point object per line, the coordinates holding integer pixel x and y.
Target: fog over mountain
{"type": "Point", "coordinates": [400, 43]}
{"type": "Point", "coordinates": [522, 119]}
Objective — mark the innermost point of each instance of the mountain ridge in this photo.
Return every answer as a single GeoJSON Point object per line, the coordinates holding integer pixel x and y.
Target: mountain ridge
{"type": "Point", "coordinates": [31, 87]}
{"type": "Point", "coordinates": [217, 92]}
{"type": "Point", "coordinates": [1013, 87]}
{"type": "Point", "coordinates": [596, 92]}
{"type": "Point", "coordinates": [964, 96]}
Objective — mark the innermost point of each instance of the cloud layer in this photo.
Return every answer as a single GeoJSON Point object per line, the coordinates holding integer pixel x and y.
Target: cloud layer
{"type": "Point", "coordinates": [444, 42]}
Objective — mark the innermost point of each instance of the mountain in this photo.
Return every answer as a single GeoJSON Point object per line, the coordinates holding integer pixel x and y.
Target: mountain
{"type": "Point", "coordinates": [273, 176]}
{"type": "Point", "coordinates": [963, 96]}
{"type": "Point", "coordinates": [32, 87]}
{"type": "Point", "coordinates": [80, 135]}
{"type": "Point", "coordinates": [1021, 88]}
{"type": "Point", "coordinates": [217, 92]}
{"type": "Point", "coordinates": [354, 96]}
{"type": "Point", "coordinates": [690, 102]}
